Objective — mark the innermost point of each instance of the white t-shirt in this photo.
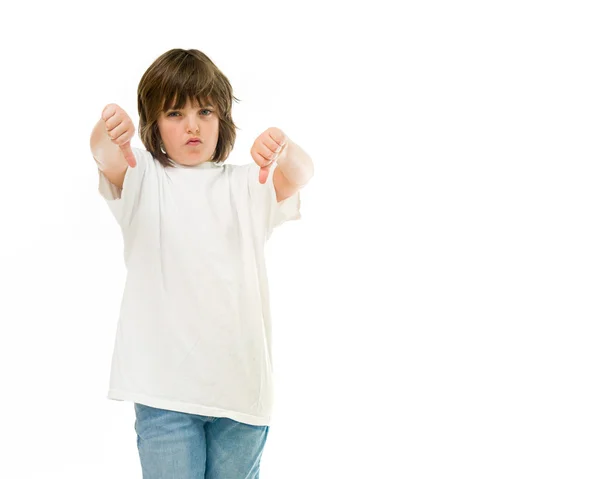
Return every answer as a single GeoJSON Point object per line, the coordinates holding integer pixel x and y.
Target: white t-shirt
{"type": "Point", "coordinates": [194, 331]}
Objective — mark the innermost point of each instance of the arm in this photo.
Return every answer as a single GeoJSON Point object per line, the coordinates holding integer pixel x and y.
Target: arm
{"type": "Point", "coordinates": [109, 158]}
{"type": "Point", "coordinates": [293, 171]}
{"type": "Point", "coordinates": [113, 155]}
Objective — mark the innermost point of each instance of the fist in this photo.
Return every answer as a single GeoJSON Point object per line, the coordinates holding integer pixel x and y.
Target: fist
{"type": "Point", "coordinates": [268, 148]}
{"type": "Point", "coordinates": [120, 130]}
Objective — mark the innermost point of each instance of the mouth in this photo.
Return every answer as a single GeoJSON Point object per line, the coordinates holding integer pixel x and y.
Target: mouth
{"type": "Point", "coordinates": [193, 142]}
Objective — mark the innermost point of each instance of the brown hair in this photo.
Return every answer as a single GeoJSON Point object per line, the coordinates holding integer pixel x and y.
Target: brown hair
{"type": "Point", "coordinates": [175, 77]}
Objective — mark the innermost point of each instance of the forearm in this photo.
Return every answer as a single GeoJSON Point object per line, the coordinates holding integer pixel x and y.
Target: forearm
{"type": "Point", "coordinates": [108, 156]}
{"type": "Point", "coordinates": [295, 164]}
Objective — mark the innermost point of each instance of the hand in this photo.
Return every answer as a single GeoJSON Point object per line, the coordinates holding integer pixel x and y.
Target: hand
{"type": "Point", "coordinates": [120, 130]}
{"type": "Point", "coordinates": [268, 148]}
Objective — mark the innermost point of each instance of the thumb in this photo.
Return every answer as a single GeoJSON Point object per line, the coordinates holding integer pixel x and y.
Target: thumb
{"type": "Point", "coordinates": [264, 174]}
{"type": "Point", "coordinates": [128, 154]}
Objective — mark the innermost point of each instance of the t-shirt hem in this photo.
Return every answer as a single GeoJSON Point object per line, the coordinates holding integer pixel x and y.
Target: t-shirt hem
{"type": "Point", "coordinates": [172, 405]}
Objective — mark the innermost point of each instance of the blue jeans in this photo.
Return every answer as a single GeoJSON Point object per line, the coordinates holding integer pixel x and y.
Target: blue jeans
{"type": "Point", "coordinates": [177, 445]}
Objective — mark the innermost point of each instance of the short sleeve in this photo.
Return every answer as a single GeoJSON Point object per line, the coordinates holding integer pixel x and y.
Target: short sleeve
{"type": "Point", "coordinates": [264, 199]}
{"type": "Point", "coordinates": [123, 202]}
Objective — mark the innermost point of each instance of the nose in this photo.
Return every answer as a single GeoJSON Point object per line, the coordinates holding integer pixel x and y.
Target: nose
{"type": "Point", "coordinates": [192, 124]}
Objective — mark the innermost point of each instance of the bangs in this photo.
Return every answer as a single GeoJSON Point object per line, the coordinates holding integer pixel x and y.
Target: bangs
{"type": "Point", "coordinates": [190, 80]}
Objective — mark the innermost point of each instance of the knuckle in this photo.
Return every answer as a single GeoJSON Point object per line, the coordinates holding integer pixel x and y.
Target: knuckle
{"type": "Point", "coordinates": [108, 111]}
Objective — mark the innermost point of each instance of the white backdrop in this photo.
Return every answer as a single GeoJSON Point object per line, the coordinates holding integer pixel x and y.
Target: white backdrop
{"type": "Point", "coordinates": [436, 307]}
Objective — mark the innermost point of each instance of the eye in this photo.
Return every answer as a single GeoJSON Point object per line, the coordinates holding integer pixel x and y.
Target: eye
{"type": "Point", "coordinates": [205, 112]}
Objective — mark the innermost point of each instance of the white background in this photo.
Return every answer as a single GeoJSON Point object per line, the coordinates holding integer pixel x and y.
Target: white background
{"type": "Point", "coordinates": [436, 308]}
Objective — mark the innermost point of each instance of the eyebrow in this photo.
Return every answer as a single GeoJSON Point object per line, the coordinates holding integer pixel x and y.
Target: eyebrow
{"type": "Point", "coordinates": [201, 106]}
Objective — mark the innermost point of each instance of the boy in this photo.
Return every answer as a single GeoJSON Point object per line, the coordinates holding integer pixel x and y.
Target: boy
{"type": "Point", "coordinates": [193, 344]}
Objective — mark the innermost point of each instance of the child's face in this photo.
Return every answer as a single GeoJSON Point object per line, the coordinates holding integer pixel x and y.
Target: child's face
{"type": "Point", "coordinates": [177, 127]}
